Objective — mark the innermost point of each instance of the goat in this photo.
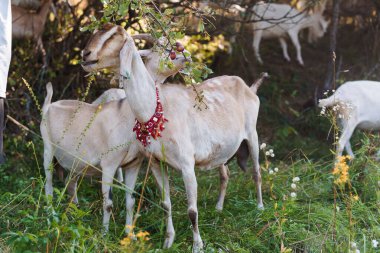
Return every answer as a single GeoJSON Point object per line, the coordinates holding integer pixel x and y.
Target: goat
{"type": "Point", "coordinates": [357, 106]}
{"type": "Point", "coordinates": [207, 138]}
{"type": "Point", "coordinates": [282, 20]}
{"type": "Point", "coordinates": [30, 4]}
{"type": "Point", "coordinates": [30, 25]}
{"type": "Point", "coordinates": [107, 96]}
{"type": "Point", "coordinates": [102, 137]}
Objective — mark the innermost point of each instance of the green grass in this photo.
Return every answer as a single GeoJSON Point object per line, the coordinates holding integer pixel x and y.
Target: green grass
{"type": "Point", "coordinates": [307, 223]}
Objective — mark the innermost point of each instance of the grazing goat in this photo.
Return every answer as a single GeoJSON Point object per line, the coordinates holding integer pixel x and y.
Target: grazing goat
{"type": "Point", "coordinates": [205, 139]}
{"type": "Point", "coordinates": [85, 136]}
{"type": "Point", "coordinates": [357, 105]}
{"type": "Point", "coordinates": [26, 24]}
{"type": "Point", "coordinates": [280, 21]}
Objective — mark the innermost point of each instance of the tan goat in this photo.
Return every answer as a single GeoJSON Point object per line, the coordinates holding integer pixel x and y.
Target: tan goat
{"type": "Point", "coordinates": [85, 136]}
{"type": "Point", "coordinates": [192, 138]}
{"type": "Point", "coordinates": [30, 25]}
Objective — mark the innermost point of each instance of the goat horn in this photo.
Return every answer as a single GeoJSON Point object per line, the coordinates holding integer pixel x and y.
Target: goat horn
{"type": "Point", "coordinates": [144, 36]}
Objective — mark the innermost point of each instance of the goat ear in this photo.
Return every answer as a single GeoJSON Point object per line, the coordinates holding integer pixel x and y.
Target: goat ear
{"type": "Point", "coordinates": [320, 7]}
{"type": "Point", "coordinates": [145, 52]}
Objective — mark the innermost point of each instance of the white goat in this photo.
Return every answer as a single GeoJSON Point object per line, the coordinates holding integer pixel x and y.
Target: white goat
{"type": "Point", "coordinates": [280, 21]}
{"type": "Point", "coordinates": [107, 96]}
{"type": "Point", "coordinates": [26, 24]}
{"type": "Point", "coordinates": [205, 139]}
{"type": "Point", "coordinates": [357, 105]}
{"type": "Point", "coordinates": [85, 136]}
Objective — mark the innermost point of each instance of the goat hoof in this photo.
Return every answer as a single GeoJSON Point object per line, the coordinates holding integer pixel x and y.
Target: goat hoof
{"type": "Point", "coordinates": [219, 207]}
{"type": "Point", "coordinates": [198, 247]}
{"type": "Point", "coordinates": [168, 241]}
{"type": "Point", "coordinates": [260, 206]}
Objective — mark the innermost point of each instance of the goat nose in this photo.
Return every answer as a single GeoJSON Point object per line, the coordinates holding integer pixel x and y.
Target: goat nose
{"type": "Point", "coordinates": [85, 53]}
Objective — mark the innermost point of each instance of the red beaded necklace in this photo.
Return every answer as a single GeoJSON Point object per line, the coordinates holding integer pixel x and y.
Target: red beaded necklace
{"type": "Point", "coordinates": [153, 127]}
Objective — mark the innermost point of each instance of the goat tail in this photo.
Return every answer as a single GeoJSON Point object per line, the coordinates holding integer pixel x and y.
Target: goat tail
{"type": "Point", "coordinates": [49, 89]}
{"type": "Point", "coordinates": [256, 85]}
{"type": "Point", "coordinates": [328, 102]}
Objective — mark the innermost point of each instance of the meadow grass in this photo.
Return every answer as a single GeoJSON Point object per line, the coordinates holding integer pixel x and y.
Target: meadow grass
{"type": "Point", "coordinates": [313, 221]}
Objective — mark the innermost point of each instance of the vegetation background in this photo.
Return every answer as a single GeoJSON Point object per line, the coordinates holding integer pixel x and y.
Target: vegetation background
{"type": "Point", "coordinates": [324, 217]}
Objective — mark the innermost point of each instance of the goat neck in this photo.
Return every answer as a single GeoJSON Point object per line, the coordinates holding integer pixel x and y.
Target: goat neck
{"type": "Point", "coordinates": [308, 21]}
{"type": "Point", "coordinates": [44, 10]}
{"type": "Point", "coordinates": [139, 86]}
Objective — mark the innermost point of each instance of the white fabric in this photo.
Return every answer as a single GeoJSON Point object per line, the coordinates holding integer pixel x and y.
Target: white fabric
{"type": "Point", "coordinates": [5, 43]}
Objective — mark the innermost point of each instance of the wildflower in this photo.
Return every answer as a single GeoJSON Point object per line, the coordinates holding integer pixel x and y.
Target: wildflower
{"type": "Point", "coordinates": [355, 197]}
{"type": "Point", "coordinates": [293, 185]}
{"type": "Point", "coordinates": [353, 245]}
{"type": "Point", "coordinates": [276, 169]}
{"type": "Point", "coordinates": [269, 153]}
{"type": "Point", "coordinates": [357, 251]}
{"type": "Point", "coordinates": [341, 170]}
{"type": "Point", "coordinates": [143, 235]}
{"type": "Point", "coordinates": [126, 241]}
{"type": "Point", "coordinates": [263, 146]}
{"type": "Point", "coordinates": [323, 111]}
{"type": "Point", "coordinates": [271, 172]}
{"type": "Point", "coordinates": [293, 194]}
{"type": "Point", "coordinates": [375, 243]}
{"type": "Point", "coordinates": [296, 179]}
{"type": "Point", "coordinates": [129, 227]}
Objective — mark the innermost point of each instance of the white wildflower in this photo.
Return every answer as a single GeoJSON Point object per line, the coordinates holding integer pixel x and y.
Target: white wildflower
{"type": "Point", "coordinates": [294, 186]}
{"type": "Point", "coordinates": [269, 153]}
{"type": "Point", "coordinates": [271, 172]}
{"type": "Point", "coordinates": [375, 243]}
{"type": "Point", "coordinates": [263, 146]}
{"type": "Point", "coordinates": [276, 169]}
{"type": "Point", "coordinates": [357, 251]}
{"type": "Point", "coordinates": [296, 179]}
{"type": "Point", "coordinates": [353, 245]}
{"type": "Point", "coordinates": [333, 91]}
{"type": "Point", "coordinates": [293, 194]}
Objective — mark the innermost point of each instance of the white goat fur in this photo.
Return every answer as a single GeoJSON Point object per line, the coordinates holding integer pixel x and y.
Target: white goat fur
{"type": "Point", "coordinates": [358, 105]}
{"type": "Point", "coordinates": [107, 96]}
{"type": "Point", "coordinates": [85, 136]}
{"type": "Point", "coordinates": [281, 21]}
{"type": "Point", "coordinates": [205, 139]}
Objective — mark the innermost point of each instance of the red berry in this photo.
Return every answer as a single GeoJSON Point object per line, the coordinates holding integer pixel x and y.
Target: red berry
{"type": "Point", "coordinates": [179, 47]}
{"type": "Point", "coordinates": [172, 55]}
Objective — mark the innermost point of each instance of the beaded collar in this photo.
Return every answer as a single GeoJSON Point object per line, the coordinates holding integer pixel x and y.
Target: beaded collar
{"type": "Point", "coordinates": [153, 127]}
